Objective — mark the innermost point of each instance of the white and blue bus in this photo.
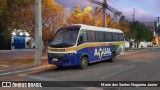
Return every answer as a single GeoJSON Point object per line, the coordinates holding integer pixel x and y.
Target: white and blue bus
{"type": "Point", "coordinates": [82, 44]}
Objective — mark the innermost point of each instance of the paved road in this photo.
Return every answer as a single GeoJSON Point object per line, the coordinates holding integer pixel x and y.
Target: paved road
{"type": "Point", "coordinates": [135, 65]}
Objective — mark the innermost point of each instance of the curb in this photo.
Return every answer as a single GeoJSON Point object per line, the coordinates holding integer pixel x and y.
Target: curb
{"type": "Point", "coordinates": [141, 48]}
{"type": "Point", "coordinates": [24, 70]}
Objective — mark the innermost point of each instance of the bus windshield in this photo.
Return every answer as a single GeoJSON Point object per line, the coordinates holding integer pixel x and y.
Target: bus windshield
{"type": "Point", "coordinates": [65, 37]}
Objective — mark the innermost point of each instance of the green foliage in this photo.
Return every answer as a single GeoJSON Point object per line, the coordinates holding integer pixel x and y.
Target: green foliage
{"type": "Point", "coordinates": [14, 4]}
{"type": "Point", "coordinates": [139, 32]}
{"type": "Point", "coordinates": [4, 12]}
{"type": "Point", "coordinates": [20, 13]}
{"type": "Point", "coordinates": [123, 25]}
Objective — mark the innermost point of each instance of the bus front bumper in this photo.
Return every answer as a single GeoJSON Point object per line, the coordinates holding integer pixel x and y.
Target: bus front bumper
{"type": "Point", "coordinates": [62, 59]}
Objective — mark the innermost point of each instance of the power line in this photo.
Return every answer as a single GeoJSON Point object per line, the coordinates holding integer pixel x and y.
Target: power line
{"type": "Point", "coordinates": [126, 14]}
{"type": "Point", "coordinates": [119, 7]}
{"type": "Point", "coordinates": [110, 8]}
{"type": "Point", "coordinates": [114, 11]}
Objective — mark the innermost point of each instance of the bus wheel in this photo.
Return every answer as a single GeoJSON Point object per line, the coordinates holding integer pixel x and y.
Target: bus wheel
{"type": "Point", "coordinates": [84, 63]}
{"type": "Point", "coordinates": [113, 58]}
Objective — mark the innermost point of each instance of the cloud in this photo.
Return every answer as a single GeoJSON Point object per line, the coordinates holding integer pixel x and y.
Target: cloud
{"type": "Point", "coordinates": [141, 14]}
{"type": "Point", "coordinates": [156, 4]}
{"type": "Point", "coordinates": [73, 3]}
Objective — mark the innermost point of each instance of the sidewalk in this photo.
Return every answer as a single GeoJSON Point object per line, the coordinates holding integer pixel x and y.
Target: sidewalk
{"type": "Point", "coordinates": [16, 54]}
{"type": "Point", "coordinates": [19, 61]}
{"type": "Point", "coordinates": [12, 69]}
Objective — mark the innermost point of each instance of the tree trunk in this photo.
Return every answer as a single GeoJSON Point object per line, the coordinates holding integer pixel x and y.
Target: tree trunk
{"type": "Point", "coordinates": [44, 49]}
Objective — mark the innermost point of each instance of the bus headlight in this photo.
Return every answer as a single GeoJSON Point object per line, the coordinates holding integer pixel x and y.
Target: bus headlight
{"type": "Point", "coordinates": [70, 54]}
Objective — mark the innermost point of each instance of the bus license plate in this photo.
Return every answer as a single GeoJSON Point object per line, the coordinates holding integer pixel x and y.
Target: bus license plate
{"type": "Point", "coordinates": [55, 59]}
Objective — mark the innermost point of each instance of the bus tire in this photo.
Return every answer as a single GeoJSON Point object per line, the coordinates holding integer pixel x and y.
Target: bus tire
{"type": "Point", "coordinates": [113, 58]}
{"type": "Point", "coordinates": [84, 63]}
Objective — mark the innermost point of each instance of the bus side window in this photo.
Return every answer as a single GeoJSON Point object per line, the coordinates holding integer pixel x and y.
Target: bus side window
{"type": "Point", "coordinates": [100, 36]}
{"type": "Point", "coordinates": [108, 36]}
{"type": "Point", "coordinates": [115, 36]}
{"type": "Point", "coordinates": [91, 36]}
{"type": "Point", "coordinates": [121, 37]}
{"type": "Point", "coordinates": [83, 37]}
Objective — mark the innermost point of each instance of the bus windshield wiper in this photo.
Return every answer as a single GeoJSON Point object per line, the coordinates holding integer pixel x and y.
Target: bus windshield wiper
{"type": "Point", "coordinates": [61, 45]}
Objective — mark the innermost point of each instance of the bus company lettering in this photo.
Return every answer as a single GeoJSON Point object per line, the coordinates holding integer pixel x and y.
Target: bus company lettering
{"type": "Point", "coordinates": [58, 50]}
{"type": "Point", "coordinates": [102, 52]}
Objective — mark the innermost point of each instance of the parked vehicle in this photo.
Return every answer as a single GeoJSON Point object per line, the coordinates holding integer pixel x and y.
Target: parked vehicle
{"type": "Point", "coordinates": [82, 44]}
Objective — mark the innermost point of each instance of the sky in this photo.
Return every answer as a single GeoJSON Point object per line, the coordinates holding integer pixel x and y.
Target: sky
{"type": "Point", "coordinates": [145, 10]}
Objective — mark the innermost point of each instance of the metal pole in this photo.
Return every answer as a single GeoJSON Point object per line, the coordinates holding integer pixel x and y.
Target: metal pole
{"type": "Point", "coordinates": [134, 11]}
{"type": "Point", "coordinates": [157, 26]}
{"type": "Point", "coordinates": [104, 12]}
{"type": "Point", "coordinates": [104, 17]}
{"type": "Point", "coordinates": [158, 20]}
{"type": "Point", "coordinates": [38, 33]}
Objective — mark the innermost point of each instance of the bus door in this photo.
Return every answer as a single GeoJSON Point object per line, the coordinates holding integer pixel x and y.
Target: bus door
{"type": "Point", "coordinates": [83, 43]}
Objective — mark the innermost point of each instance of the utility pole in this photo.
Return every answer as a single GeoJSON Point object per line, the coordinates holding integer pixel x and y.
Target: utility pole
{"type": "Point", "coordinates": [158, 20]}
{"type": "Point", "coordinates": [38, 33]}
{"type": "Point", "coordinates": [104, 7]}
{"type": "Point", "coordinates": [158, 25]}
{"type": "Point", "coordinates": [104, 12]}
{"type": "Point", "coordinates": [134, 11]}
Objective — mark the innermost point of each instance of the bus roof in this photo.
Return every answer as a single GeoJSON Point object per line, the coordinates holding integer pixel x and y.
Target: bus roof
{"type": "Point", "coordinates": [87, 27]}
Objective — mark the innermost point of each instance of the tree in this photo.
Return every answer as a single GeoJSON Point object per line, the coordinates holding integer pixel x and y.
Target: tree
{"type": "Point", "coordinates": [93, 17]}
{"type": "Point", "coordinates": [81, 17]}
{"type": "Point", "coordinates": [5, 33]}
{"type": "Point", "coordinates": [97, 17]}
{"type": "Point", "coordinates": [22, 16]}
{"type": "Point", "coordinates": [86, 16]}
{"type": "Point", "coordinates": [110, 23]}
{"type": "Point", "coordinates": [75, 17]}
{"type": "Point", "coordinates": [140, 32]}
{"type": "Point", "coordinates": [52, 19]}
{"type": "Point", "coordinates": [3, 17]}
{"type": "Point", "coordinates": [123, 25]}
